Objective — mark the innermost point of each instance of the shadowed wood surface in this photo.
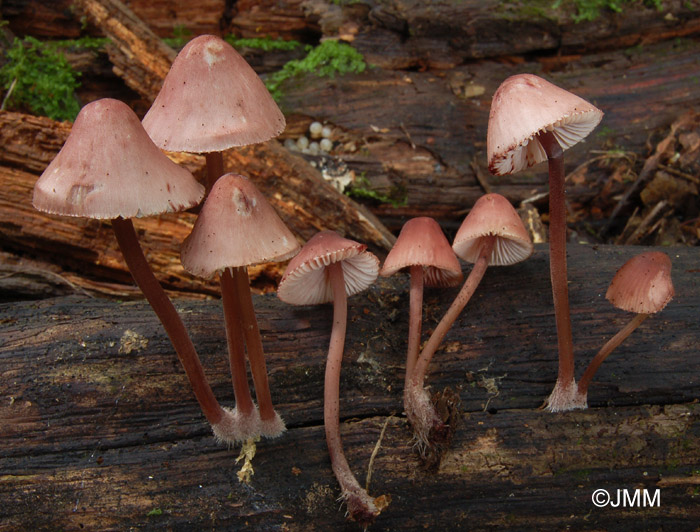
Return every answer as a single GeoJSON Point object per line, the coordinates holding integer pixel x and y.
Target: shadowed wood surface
{"type": "Point", "coordinates": [99, 431]}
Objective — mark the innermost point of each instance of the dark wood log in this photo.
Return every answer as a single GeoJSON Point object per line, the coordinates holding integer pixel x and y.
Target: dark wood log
{"type": "Point", "coordinates": [99, 431]}
{"type": "Point", "coordinates": [427, 146]}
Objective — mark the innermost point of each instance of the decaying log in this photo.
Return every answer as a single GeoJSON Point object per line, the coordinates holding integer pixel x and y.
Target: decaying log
{"type": "Point", "coordinates": [283, 177]}
{"type": "Point", "coordinates": [99, 431]}
{"type": "Point", "coordinates": [425, 145]}
{"type": "Point", "coordinates": [395, 33]}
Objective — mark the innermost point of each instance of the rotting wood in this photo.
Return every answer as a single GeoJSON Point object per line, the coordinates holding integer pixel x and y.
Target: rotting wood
{"type": "Point", "coordinates": [98, 429]}
{"type": "Point", "coordinates": [284, 178]}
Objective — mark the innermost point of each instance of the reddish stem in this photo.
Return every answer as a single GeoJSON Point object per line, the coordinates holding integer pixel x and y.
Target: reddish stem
{"type": "Point", "coordinates": [172, 323]}
{"type": "Point", "coordinates": [360, 505]}
{"type": "Point", "coordinates": [608, 348]}
{"type": "Point", "coordinates": [415, 319]}
{"type": "Point", "coordinates": [215, 168]}
{"type": "Point", "coordinates": [256, 354]}
{"type": "Point", "coordinates": [557, 255]}
{"type": "Point", "coordinates": [234, 339]}
{"type": "Point", "coordinates": [463, 297]}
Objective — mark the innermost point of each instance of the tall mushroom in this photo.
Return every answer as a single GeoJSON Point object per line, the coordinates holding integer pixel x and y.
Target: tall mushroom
{"type": "Point", "coordinates": [642, 285]}
{"type": "Point", "coordinates": [237, 228]}
{"type": "Point", "coordinates": [330, 268]}
{"type": "Point", "coordinates": [532, 120]}
{"type": "Point", "coordinates": [492, 234]}
{"type": "Point", "coordinates": [212, 100]}
{"type": "Point", "coordinates": [110, 169]}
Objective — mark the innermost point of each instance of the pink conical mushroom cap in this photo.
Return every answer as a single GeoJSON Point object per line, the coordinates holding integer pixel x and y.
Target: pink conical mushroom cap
{"type": "Point", "coordinates": [525, 105]}
{"type": "Point", "coordinates": [212, 100]}
{"type": "Point", "coordinates": [305, 281]}
{"type": "Point", "coordinates": [421, 242]}
{"type": "Point", "coordinates": [643, 284]}
{"type": "Point", "coordinates": [236, 227]}
{"type": "Point", "coordinates": [493, 214]}
{"type": "Point", "coordinates": [109, 167]}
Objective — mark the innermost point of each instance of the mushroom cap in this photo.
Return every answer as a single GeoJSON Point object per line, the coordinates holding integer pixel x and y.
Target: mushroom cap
{"type": "Point", "coordinates": [235, 227]}
{"type": "Point", "coordinates": [525, 105]}
{"type": "Point", "coordinates": [493, 214]}
{"type": "Point", "coordinates": [109, 167]}
{"type": "Point", "coordinates": [643, 284]}
{"type": "Point", "coordinates": [306, 283]}
{"type": "Point", "coordinates": [421, 242]}
{"type": "Point", "coordinates": [212, 100]}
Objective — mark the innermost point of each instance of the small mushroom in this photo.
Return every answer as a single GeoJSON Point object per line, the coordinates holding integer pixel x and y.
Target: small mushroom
{"type": "Point", "coordinates": [331, 268]}
{"type": "Point", "coordinates": [110, 169]}
{"type": "Point", "coordinates": [212, 100]}
{"type": "Point", "coordinates": [642, 285]}
{"type": "Point", "coordinates": [237, 228]}
{"type": "Point", "coordinates": [422, 248]}
{"type": "Point", "coordinates": [492, 234]}
{"type": "Point", "coordinates": [532, 120]}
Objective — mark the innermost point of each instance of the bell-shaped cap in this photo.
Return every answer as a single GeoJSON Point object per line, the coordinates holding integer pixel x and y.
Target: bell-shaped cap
{"type": "Point", "coordinates": [525, 105]}
{"type": "Point", "coordinates": [212, 100]}
{"type": "Point", "coordinates": [643, 284]}
{"type": "Point", "coordinates": [109, 168]}
{"type": "Point", "coordinates": [421, 242]}
{"type": "Point", "coordinates": [235, 227]}
{"type": "Point", "coordinates": [305, 281]}
{"type": "Point", "coordinates": [493, 214]}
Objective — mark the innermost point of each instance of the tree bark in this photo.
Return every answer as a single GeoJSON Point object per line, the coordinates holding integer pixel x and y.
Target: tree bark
{"type": "Point", "coordinates": [97, 430]}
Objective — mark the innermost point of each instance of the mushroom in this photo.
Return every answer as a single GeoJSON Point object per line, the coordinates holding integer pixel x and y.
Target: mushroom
{"type": "Point", "coordinates": [492, 234]}
{"type": "Point", "coordinates": [532, 120]}
{"type": "Point", "coordinates": [330, 268]}
{"type": "Point", "coordinates": [110, 169]}
{"type": "Point", "coordinates": [212, 100]}
{"type": "Point", "coordinates": [237, 228]}
{"type": "Point", "coordinates": [422, 248]}
{"type": "Point", "coordinates": [642, 285]}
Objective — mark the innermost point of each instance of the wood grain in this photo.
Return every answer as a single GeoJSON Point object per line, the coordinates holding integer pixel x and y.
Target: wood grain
{"type": "Point", "coordinates": [98, 429]}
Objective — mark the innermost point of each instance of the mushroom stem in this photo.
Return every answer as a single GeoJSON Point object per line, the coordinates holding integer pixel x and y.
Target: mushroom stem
{"type": "Point", "coordinates": [272, 424]}
{"type": "Point", "coordinates": [426, 423]}
{"type": "Point", "coordinates": [415, 319]}
{"type": "Point", "coordinates": [172, 323]}
{"type": "Point", "coordinates": [463, 297]}
{"type": "Point", "coordinates": [608, 348]}
{"type": "Point", "coordinates": [557, 257]}
{"type": "Point", "coordinates": [215, 168]}
{"type": "Point", "coordinates": [359, 503]}
{"type": "Point", "coordinates": [234, 340]}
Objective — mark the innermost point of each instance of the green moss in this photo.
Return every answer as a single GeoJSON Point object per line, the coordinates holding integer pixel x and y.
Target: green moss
{"type": "Point", "coordinates": [360, 190]}
{"type": "Point", "coordinates": [266, 44]}
{"type": "Point", "coordinates": [180, 37]}
{"type": "Point", "coordinates": [38, 77]}
{"type": "Point", "coordinates": [155, 512]}
{"type": "Point", "coordinates": [325, 60]}
{"type": "Point", "coordinates": [588, 10]}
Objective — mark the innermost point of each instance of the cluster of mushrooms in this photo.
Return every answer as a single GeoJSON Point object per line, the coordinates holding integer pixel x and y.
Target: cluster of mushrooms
{"type": "Point", "coordinates": [112, 166]}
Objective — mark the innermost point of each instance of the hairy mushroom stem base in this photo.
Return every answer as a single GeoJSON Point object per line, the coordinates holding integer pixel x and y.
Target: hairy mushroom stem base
{"type": "Point", "coordinates": [172, 323]}
{"type": "Point", "coordinates": [245, 411]}
{"type": "Point", "coordinates": [609, 347]}
{"type": "Point", "coordinates": [563, 396]}
{"type": "Point", "coordinates": [420, 411]}
{"type": "Point", "coordinates": [271, 424]}
{"type": "Point", "coordinates": [360, 504]}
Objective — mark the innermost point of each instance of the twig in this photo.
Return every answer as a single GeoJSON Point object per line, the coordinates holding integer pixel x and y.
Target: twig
{"type": "Point", "coordinates": [678, 173]}
{"type": "Point", "coordinates": [375, 451]}
{"type": "Point", "coordinates": [646, 222]}
{"type": "Point", "coordinates": [8, 94]}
